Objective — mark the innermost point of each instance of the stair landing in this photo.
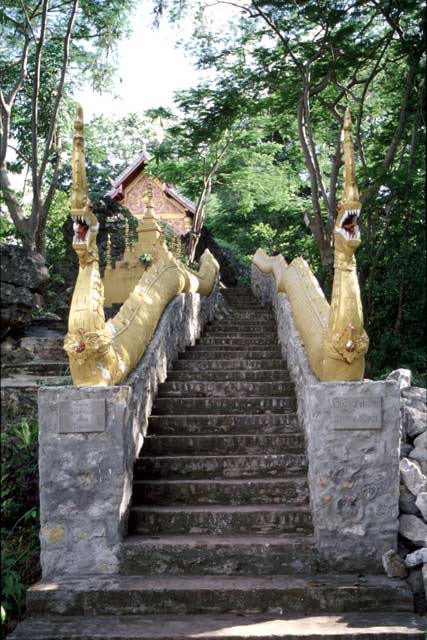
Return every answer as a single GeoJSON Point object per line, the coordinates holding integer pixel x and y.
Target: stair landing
{"type": "Point", "coordinates": [350, 626]}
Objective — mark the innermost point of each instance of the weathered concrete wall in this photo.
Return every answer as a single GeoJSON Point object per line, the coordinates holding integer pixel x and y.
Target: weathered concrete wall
{"type": "Point", "coordinates": [89, 438]}
{"type": "Point", "coordinates": [352, 441]}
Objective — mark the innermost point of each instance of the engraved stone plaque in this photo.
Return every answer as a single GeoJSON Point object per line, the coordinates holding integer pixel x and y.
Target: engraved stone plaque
{"type": "Point", "coordinates": [82, 416]}
{"type": "Point", "coordinates": [357, 412]}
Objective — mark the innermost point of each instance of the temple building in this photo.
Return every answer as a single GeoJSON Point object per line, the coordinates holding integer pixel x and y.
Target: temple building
{"type": "Point", "coordinates": [151, 202]}
{"type": "Point", "coordinates": [169, 205]}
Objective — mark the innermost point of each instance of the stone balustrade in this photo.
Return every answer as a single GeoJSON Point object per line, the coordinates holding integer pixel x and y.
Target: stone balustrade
{"type": "Point", "coordinates": [89, 439]}
{"type": "Point", "coordinates": [352, 444]}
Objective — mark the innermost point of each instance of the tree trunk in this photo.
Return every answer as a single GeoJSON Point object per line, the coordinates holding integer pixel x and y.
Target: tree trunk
{"type": "Point", "coordinates": [199, 217]}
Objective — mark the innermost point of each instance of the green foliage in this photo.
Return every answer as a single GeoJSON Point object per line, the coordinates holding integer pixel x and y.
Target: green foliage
{"type": "Point", "coordinates": [50, 49]}
{"type": "Point", "coordinates": [195, 266]}
{"type": "Point", "coordinates": [112, 144]}
{"type": "Point", "coordinates": [20, 519]}
{"type": "Point", "coordinates": [146, 259]}
{"type": "Point", "coordinates": [55, 243]}
{"type": "Point", "coordinates": [368, 56]}
{"type": "Point", "coordinates": [8, 231]}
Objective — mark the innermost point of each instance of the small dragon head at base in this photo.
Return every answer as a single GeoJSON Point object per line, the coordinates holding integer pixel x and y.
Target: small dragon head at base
{"type": "Point", "coordinates": [85, 223]}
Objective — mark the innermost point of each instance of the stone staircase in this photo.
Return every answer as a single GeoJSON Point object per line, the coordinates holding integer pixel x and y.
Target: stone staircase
{"type": "Point", "coordinates": [39, 361]}
{"type": "Point", "coordinates": [220, 538]}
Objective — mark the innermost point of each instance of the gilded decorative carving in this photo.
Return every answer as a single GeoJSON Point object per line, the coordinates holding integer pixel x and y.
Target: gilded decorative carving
{"type": "Point", "coordinates": [104, 353]}
{"type": "Point", "coordinates": [334, 337]}
{"type": "Point", "coordinates": [165, 209]}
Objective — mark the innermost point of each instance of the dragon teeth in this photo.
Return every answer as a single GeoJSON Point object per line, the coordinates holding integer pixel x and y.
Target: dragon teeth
{"type": "Point", "coordinates": [81, 220]}
{"type": "Point", "coordinates": [351, 212]}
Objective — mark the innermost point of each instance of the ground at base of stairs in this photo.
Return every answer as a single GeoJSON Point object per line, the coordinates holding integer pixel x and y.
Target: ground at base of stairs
{"type": "Point", "coordinates": [360, 626]}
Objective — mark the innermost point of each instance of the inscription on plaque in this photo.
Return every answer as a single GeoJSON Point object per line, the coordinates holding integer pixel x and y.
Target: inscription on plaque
{"type": "Point", "coordinates": [82, 416]}
{"type": "Point", "coordinates": [357, 413]}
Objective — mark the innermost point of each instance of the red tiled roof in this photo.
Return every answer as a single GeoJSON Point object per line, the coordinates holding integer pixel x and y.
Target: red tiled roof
{"type": "Point", "coordinates": [117, 190]}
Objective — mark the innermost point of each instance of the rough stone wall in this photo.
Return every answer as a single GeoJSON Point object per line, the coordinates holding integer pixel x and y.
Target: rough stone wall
{"type": "Point", "coordinates": [89, 438]}
{"type": "Point", "coordinates": [352, 442]}
{"type": "Point", "coordinates": [411, 559]}
{"type": "Point", "coordinates": [24, 275]}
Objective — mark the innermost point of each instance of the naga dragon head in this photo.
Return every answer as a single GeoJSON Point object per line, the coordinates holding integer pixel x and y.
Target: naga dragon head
{"type": "Point", "coordinates": [85, 223]}
{"type": "Point", "coordinates": [347, 231]}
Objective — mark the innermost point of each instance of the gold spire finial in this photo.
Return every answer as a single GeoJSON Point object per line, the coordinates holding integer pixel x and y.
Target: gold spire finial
{"type": "Point", "coordinates": [108, 252]}
{"type": "Point", "coordinates": [351, 193]}
{"type": "Point", "coordinates": [79, 196]}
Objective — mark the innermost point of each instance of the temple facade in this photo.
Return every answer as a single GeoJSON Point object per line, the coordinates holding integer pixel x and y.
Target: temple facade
{"type": "Point", "coordinates": [169, 205]}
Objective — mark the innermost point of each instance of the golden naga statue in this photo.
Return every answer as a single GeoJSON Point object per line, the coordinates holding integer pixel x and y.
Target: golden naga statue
{"type": "Point", "coordinates": [104, 353]}
{"type": "Point", "coordinates": [334, 337]}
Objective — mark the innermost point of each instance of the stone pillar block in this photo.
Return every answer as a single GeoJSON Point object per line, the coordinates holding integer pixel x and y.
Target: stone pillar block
{"type": "Point", "coordinates": [87, 449]}
{"type": "Point", "coordinates": [352, 434]}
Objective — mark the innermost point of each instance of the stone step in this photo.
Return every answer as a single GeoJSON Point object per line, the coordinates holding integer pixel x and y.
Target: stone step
{"type": "Point", "coordinates": [197, 389]}
{"type": "Point", "coordinates": [224, 424]}
{"type": "Point", "coordinates": [241, 298]}
{"type": "Point", "coordinates": [19, 394]}
{"type": "Point", "coordinates": [351, 626]}
{"type": "Point", "coordinates": [218, 555]}
{"type": "Point", "coordinates": [211, 444]}
{"type": "Point", "coordinates": [221, 364]}
{"type": "Point", "coordinates": [249, 491]}
{"type": "Point", "coordinates": [238, 294]}
{"type": "Point", "coordinates": [254, 519]}
{"type": "Point", "coordinates": [254, 315]}
{"type": "Point", "coordinates": [29, 384]}
{"type": "Point", "coordinates": [195, 353]}
{"type": "Point", "coordinates": [223, 466]}
{"type": "Point", "coordinates": [248, 333]}
{"type": "Point", "coordinates": [242, 303]}
{"type": "Point", "coordinates": [234, 375]}
{"type": "Point", "coordinates": [237, 348]}
{"type": "Point", "coordinates": [208, 406]}
{"type": "Point", "coordinates": [38, 369]}
{"type": "Point", "coordinates": [243, 327]}
{"type": "Point", "coordinates": [136, 595]}
{"type": "Point", "coordinates": [45, 349]}
{"type": "Point", "coordinates": [238, 291]}
{"type": "Point", "coordinates": [233, 341]}
{"type": "Point", "coordinates": [242, 307]}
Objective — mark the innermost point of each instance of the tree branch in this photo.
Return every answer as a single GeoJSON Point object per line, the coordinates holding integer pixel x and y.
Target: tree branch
{"type": "Point", "coordinates": [391, 152]}
{"type": "Point", "coordinates": [316, 223]}
{"type": "Point", "coordinates": [376, 69]}
{"type": "Point", "coordinates": [13, 205]}
{"type": "Point", "coordinates": [41, 223]}
{"type": "Point", "coordinates": [386, 14]}
{"type": "Point", "coordinates": [336, 164]}
{"type": "Point", "coordinates": [35, 118]}
{"type": "Point", "coordinates": [65, 60]}
{"type": "Point", "coordinates": [6, 104]}
{"type": "Point", "coordinates": [280, 35]}
{"type": "Point", "coordinates": [309, 138]}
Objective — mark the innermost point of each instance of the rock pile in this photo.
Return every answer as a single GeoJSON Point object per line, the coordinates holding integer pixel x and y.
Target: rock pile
{"type": "Point", "coordinates": [24, 275]}
{"type": "Point", "coordinates": [411, 560]}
